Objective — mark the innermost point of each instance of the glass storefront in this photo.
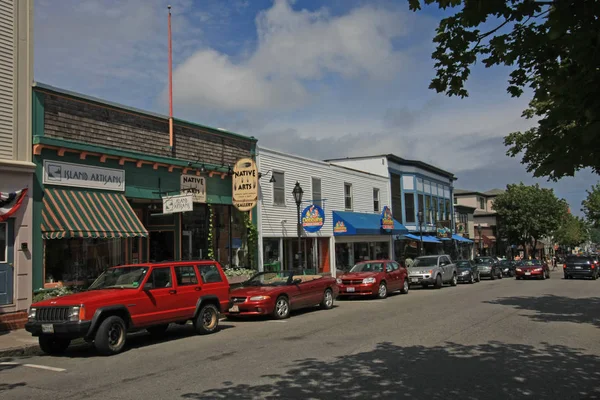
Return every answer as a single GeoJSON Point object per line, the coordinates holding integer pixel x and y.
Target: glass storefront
{"type": "Point", "coordinates": [348, 254]}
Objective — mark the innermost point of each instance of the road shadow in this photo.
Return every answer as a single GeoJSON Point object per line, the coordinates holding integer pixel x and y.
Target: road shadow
{"type": "Point", "coordinates": [452, 371]}
{"type": "Point", "coordinates": [263, 318]}
{"type": "Point", "coordinates": [550, 308]}
{"type": "Point", "coordinates": [8, 363]}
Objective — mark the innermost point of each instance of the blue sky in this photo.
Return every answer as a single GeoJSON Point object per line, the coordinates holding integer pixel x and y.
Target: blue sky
{"type": "Point", "coordinates": [323, 79]}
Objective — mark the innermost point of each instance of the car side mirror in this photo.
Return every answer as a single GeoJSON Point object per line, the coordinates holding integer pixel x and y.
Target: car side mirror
{"type": "Point", "coordinates": [148, 286]}
{"type": "Point", "coordinates": [297, 281]}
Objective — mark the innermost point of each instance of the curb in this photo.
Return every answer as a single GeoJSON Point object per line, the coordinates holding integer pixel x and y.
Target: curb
{"type": "Point", "coordinates": [24, 350]}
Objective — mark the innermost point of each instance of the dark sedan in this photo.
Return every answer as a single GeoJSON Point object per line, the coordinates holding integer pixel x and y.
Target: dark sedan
{"type": "Point", "coordinates": [467, 271]}
{"type": "Point", "coordinates": [580, 266]}
{"type": "Point", "coordinates": [488, 267]}
{"type": "Point", "coordinates": [507, 267]}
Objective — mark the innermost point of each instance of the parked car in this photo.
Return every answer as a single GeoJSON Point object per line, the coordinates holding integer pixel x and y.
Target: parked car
{"type": "Point", "coordinates": [433, 270]}
{"type": "Point", "coordinates": [131, 298]}
{"type": "Point", "coordinates": [488, 267]}
{"type": "Point", "coordinates": [580, 266]}
{"type": "Point", "coordinates": [507, 267]}
{"type": "Point", "coordinates": [467, 271]}
{"type": "Point", "coordinates": [374, 278]}
{"type": "Point", "coordinates": [278, 293]}
{"type": "Point", "coordinates": [532, 269]}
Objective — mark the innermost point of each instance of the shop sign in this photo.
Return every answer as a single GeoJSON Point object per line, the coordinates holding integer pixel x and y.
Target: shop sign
{"type": "Point", "coordinates": [245, 184]}
{"type": "Point", "coordinates": [387, 219]}
{"type": "Point", "coordinates": [85, 176]}
{"type": "Point", "coordinates": [313, 218]}
{"type": "Point", "coordinates": [178, 203]}
{"type": "Point", "coordinates": [340, 227]}
{"type": "Point", "coordinates": [443, 229]}
{"type": "Point", "coordinates": [196, 185]}
{"type": "Point", "coordinates": [460, 227]}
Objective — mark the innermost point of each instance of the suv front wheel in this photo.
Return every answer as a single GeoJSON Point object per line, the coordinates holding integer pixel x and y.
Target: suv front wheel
{"type": "Point", "coordinates": [207, 320]}
{"type": "Point", "coordinates": [53, 345]}
{"type": "Point", "coordinates": [111, 335]}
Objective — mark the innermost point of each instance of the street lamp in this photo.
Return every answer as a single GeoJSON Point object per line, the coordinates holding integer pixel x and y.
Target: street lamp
{"type": "Point", "coordinates": [480, 244]}
{"type": "Point", "coordinates": [420, 217]}
{"type": "Point", "coordinates": [298, 192]}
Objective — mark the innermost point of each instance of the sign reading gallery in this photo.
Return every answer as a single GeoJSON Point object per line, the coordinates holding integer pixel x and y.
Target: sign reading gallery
{"type": "Point", "coordinates": [85, 176]}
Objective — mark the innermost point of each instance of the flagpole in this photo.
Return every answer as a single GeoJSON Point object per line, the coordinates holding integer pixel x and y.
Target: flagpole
{"type": "Point", "coordinates": [170, 85]}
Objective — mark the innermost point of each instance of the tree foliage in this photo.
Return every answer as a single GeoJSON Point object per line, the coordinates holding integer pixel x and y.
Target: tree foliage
{"type": "Point", "coordinates": [572, 231]}
{"type": "Point", "coordinates": [528, 213]}
{"type": "Point", "coordinates": [591, 205]}
{"type": "Point", "coordinates": [553, 48]}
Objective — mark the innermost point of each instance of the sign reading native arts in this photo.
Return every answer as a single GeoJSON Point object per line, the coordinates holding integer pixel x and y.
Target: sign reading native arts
{"type": "Point", "coordinates": [178, 203]}
{"type": "Point", "coordinates": [245, 184]}
{"type": "Point", "coordinates": [196, 185]}
{"type": "Point", "coordinates": [387, 220]}
{"type": "Point", "coordinates": [86, 176]}
{"type": "Point", "coordinates": [313, 218]}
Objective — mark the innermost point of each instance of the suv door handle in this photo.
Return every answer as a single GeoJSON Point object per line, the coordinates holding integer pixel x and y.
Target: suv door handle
{"type": "Point", "coordinates": [172, 291]}
{"type": "Point", "coordinates": [197, 289]}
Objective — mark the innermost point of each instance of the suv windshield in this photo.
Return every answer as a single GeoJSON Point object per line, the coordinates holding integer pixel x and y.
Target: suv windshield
{"type": "Point", "coordinates": [463, 264]}
{"type": "Point", "coordinates": [483, 260]}
{"type": "Point", "coordinates": [269, 279]}
{"type": "Point", "coordinates": [367, 267]}
{"type": "Point", "coordinates": [121, 278]}
{"type": "Point", "coordinates": [425, 262]}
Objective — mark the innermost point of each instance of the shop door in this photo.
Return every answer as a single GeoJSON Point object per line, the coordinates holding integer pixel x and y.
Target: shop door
{"type": "Point", "coordinates": [6, 262]}
{"type": "Point", "coordinates": [162, 246]}
{"type": "Point", "coordinates": [186, 245]}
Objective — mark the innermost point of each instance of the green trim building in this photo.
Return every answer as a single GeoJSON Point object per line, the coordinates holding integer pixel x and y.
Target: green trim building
{"type": "Point", "coordinates": [102, 173]}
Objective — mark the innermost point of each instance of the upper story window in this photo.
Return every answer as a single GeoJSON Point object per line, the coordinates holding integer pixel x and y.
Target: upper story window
{"type": "Point", "coordinates": [376, 207]}
{"type": "Point", "coordinates": [348, 196]}
{"type": "Point", "coordinates": [455, 200]}
{"type": "Point", "coordinates": [316, 191]}
{"type": "Point", "coordinates": [409, 201]}
{"type": "Point", "coordinates": [278, 189]}
{"type": "Point", "coordinates": [481, 203]}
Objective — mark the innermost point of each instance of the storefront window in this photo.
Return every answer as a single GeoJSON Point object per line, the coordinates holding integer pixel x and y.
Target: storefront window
{"type": "Point", "coordinates": [344, 256]}
{"type": "Point", "coordinates": [229, 239]}
{"type": "Point", "coordinates": [361, 252]}
{"type": "Point", "coordinates": [78, 262]}
{"type": "Point", "coordinates": [271, 256]}
{"type": "Point", "coordinates": [194, 233]}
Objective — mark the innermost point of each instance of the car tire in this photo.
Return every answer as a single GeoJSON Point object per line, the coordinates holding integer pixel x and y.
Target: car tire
{"type": "Point", "coordinates": [382, 291]}
{"type": "Point", "coordinates": [327, 302]}
{"type": "Point", "coordinates": [405, 287]}
{"type": "Point", "coordinates": [500, 276]}
{"type": "Point", "coordinates": [207, 320]}
{"type": "Point", "coordinates": [53, 345]}
{"type": "Point", "coordinates": [282, 308]}
{"type": "Point", "coordinates": [566, 276]}
{"type": "Point", "coordinates": [438, 282]}
{"type": "Point", "coordinates": [454, 281]}
{"type": "Point", "coordinates": [158, 330]}
{"type": "Point", "coordinates": [547, 274]}
{"type": "Point", "coordinates": [111, 336]}
{"type": "Point", "coordinates": [543, 277]}
{"type": "Point", "coordinates": [472, 281]}
{"type": "Point", "coordinates": [492, 276]}
{"type": "Point", "coordinates": [478, 277]}
{"type": "Point", "coordinates": [594, 277]}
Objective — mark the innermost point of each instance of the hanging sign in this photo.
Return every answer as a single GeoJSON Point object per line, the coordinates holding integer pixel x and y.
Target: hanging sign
{"type": "Point", "coordinates": [313, 218]}
{"type": "Point", "coordinates": [443, 229]}
{"type": "Point", "coordinates": [245, 184]}
{"type": "Point", "coordinates": [196, 185]}
{"type": "Point", "coordinates": [85, 176]}
{"type": "Point", "coordinates": [340, 227]}
{"type": "Point", "coordinates": [178, 203]}
{"type": "Point", "coordinates": [387, 219]}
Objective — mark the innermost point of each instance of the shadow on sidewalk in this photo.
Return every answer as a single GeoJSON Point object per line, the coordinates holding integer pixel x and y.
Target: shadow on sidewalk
{"type": "Point", "coordinates": [452, 371]}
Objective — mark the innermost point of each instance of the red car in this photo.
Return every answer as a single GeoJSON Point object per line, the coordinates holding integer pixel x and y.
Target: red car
{"type": "Point", "coordinates": [131, 298]}
{"type": "Point", "coordinates": [278, 293]}
{"type": "Point", "coordinates": [532, 269]}
{"type": "Point", "coordinates": [374, 278]}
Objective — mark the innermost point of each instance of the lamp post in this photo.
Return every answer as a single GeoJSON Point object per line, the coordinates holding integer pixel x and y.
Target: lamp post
{"type": "Point", "coordinates": [298, 192]}
{"type": "Point", "coordinates": [479, 232]}
{"type": "Point", "coordinates": [420, 217]}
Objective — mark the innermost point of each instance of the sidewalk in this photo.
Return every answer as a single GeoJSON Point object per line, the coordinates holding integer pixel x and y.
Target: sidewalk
{"type": "Point", "coordinates": [18, 343]}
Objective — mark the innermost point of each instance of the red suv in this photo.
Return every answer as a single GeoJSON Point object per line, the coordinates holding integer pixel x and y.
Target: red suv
{"type": "Point", "coordinates": [130, 298]}
{"type": "Point", "coordinates": [374, 278]}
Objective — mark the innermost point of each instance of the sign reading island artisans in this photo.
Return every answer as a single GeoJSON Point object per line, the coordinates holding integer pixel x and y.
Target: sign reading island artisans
{"type": "Point", "coordinates": [244, 184]}
{"type": "Point", "coordinates": [178, 203]}
{"type": "Point", "coordinates": [85, 176]}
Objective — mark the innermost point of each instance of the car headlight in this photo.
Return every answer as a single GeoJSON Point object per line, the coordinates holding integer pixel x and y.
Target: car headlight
{"type": "Point", "coordinates": [539, 269]}
{"type": "Point", "coordinates": [259, 298]}
{"type": "Point", "coordinates": [339, 281]}
{"type": "Point", "coordinates": [465, 273]}
{"type": "Point", "coordinates": [31, 313]}
{"type": "Point", "coordinates": [369, 280]}
{"type": "Point", "coordinates": [74, 313]}
{"type": "Point", "coordinates": [518, 269]}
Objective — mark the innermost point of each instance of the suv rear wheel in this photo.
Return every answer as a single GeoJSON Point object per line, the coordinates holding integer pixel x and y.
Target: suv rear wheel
{"type": "Point", "coordinates": [453, 282]}
{"type": "Point", "coordinates": [438, 282]}
{"type": "Point", "coordinates": [110, 336]}
{"type": "Point", "coordinates": [207, 320]}
{"type": "Point", "coordinates": [53, 345]}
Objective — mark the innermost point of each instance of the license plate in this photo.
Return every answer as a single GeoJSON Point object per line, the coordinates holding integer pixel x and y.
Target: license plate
{"type": "Point", "coordinates": [234, 309]}
{"type": "Point", "coordinates": [350, 289]}
{"type": "Point", "coordinates": [527, 273]}
{"type": "Point", "coordinates": [577, 267]}
{"type": "Point", "coordinates": [47, 328]}
{"type": "Point", "coordinates": [414, 279]}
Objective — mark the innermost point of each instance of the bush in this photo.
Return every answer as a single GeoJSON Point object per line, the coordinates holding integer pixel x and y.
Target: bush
{"type": "Point", "coordinates": [42, 294]}
{"type": "Point", "coordinates": [239, 272]}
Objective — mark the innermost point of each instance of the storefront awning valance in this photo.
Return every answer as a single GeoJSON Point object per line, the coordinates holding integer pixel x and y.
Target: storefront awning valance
{"type": "Point", "coordinates": [354, 223]}
{"type": "Point", "coordinates": [85, 214]}
{"type": "Point", "coordinates": [426, 238]}
{"type": "Point", "coordinates": [459, 238]}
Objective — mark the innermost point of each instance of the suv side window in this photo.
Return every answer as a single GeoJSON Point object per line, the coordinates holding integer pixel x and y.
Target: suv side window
{"type": "Point", "coordinates": [160, 278]}
{"type": "Point", "coordinates": [446, 260]}
{"type": "Point", "coordinates": [209, 273]}
{"type": "Point", "coordinates": [186, 275]}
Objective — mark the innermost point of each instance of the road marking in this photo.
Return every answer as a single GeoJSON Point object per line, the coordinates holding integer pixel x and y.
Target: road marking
{"type": "Point", "coordinates": [277, 321]}
{"type": "Point", "coordinates": [35, 366]}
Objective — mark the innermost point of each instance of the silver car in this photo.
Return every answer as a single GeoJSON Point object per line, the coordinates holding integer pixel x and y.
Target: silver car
{"type": "Point", "coordinates": [433, 270]}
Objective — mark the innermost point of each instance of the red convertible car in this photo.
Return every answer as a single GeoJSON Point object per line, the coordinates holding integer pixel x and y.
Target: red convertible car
{"type": "Point", "coordinates": [374, 278]}
{"type": "Point", "coordinates": [532, 269]}
{"type": "Point", "coordinates": [277, 293]}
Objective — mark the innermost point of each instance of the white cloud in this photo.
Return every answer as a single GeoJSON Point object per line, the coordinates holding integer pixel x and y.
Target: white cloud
{"type": "Point", "coordinates": [294, 48]}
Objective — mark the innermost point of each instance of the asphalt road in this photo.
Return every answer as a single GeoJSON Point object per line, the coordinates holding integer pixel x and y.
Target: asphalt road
{"type": "Point", "coordinates": [498, 339]}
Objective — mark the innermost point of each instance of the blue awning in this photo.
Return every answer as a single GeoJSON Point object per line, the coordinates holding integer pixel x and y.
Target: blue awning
{"type": "Point", "coordinates": [354, 223]}
{"type": "Point", "coordinates": [426, 238]}
{"type": "Point", "coordinates": [459, 238]}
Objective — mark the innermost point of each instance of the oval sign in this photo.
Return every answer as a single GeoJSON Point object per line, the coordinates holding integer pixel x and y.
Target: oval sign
{"type": "Point", "coordinates": [313, 218]}
{"type": "Point", "coordinates": [245, 184]}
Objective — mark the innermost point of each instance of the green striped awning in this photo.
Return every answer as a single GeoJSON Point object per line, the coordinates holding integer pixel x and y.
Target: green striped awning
{"type": "Point", "coordinates": [82, 214]}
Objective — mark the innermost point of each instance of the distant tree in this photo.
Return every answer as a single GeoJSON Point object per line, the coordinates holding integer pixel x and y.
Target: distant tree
{"type": "Point", "coordinates": [528, 213]}
{"type": "Point", "coordinates": [572, 232]}
{"type": "Point", "coordinates": [553, 48]}
{"type": "Point", "coordinates": [595, 235]}
{"type": "Point", "coordinates": [591, 206]}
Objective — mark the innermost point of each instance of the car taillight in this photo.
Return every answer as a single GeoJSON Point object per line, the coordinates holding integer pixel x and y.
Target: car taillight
{"type": "Point", "coordinates": [593, 266]}
{"type": "Point", "coordinates": [564, 266]}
